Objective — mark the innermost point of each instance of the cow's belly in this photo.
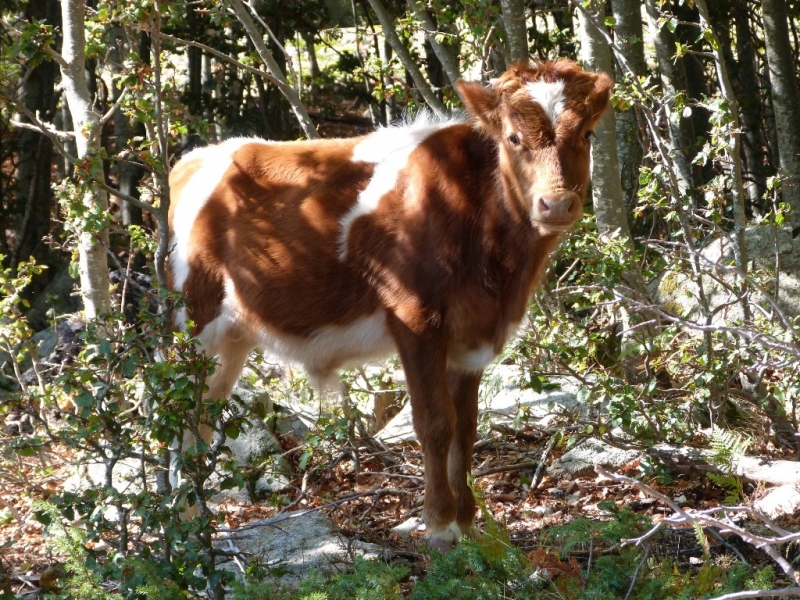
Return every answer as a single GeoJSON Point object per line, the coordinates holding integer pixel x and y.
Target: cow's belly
{"type": "Point", "coordinates": [326, 349]}
{"type": "Point", "coordinates": [333, 346]}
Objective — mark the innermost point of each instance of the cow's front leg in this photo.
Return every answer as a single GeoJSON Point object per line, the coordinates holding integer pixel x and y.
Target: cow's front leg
{"type": "Point", "coordinates": [464, 392]}
{"type": "Point", "coordinates": [424, 358]}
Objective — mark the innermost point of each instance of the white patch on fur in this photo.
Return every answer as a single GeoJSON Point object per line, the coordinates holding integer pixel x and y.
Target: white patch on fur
{"type": "Point", "coordinates": [388, 148]}
{"type": "Point", "coordinates": [512, 330]}
{"type": "Point", "coordinates": [446, 538]}
{"type": "Point", "coordinates": [476, 359]}
{"type": "Point", "coordinates": [550, 96]}
{"type": "Point", "coordinates": [194, 195]}
{"type": "Point", "coordinates": [328, 348]}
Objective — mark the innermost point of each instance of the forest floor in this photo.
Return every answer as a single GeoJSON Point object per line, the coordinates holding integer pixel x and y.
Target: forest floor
{"type": "Point", "coordinates": [389, 497]}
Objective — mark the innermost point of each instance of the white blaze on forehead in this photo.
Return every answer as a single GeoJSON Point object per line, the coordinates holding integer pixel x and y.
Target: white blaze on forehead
{"type": "Point", "coordinates": [550, 96]}
{"type": "Point", "coordinates": [389, 150]}
{"type": "Point", "coordinates": [193, 197]}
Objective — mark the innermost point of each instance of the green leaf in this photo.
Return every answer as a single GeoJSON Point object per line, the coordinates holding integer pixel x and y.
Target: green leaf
{"type": "Point", "coordinates": [233, 430]}
{"type": "Point", "coordinates": [84, 399]}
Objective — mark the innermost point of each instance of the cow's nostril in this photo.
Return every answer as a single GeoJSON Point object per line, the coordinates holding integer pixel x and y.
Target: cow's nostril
{"type": "Point", "coordinates": [560, 204]}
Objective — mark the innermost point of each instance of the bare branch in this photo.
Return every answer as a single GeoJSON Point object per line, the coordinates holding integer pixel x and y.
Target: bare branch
{"type": "Point", "coordinates": [221, 56]}
{"type": "Point", "coordinates": [706, 518]}
{"type": "Point", "coordinates": [277, 42]}
{"type": "Point", "coordinates": [110, 112]}
{"type": "Point", "coordinates": [794, 591]}
{"type": "Point", "coordinates": [52, 131]}
{"type": "Point", "coordinates": [278, 77]}
{"type": "Point", "coordinates": [449, 62]}
{"type": "Point", "coordinates": [404, 55]}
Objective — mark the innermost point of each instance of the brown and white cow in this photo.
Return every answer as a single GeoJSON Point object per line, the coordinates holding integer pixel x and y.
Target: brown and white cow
{"type": "Point", "coordinates": [425, 239]}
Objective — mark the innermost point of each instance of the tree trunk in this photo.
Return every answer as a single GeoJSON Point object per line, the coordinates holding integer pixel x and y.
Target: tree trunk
{"type": "Point", "coordinates": [564, 21]}
{"type": "Point", "coordinates": [32, 177]}
{"type": "Point", "coordinates": [785, 101]}
{"type": "Point", "coordinates": [194, 88]}
{"type": "Point", "coordinates": [93, 241]}
{"type": "Point", "coordinates": [674, 85]}
{"type": "Point", "coordinates": [733, 152]}
{"type": "Point", "coordinates": [688, 32]}
{"type": "Point", "coordinates": [607, 195]}
{"type": "Point", "coordinates": [750, 106]}
{"type": "Point", "coordinates": [409, 64]}
{"type": "Point", "coordinates": [514, 23]}
{"type": "Point", "coordinates": [277, 73]}
{"type": "Point", "coordinates": [443, 51]}
{"type": "Point", "coordinates": [129, 170]}
{"type": "Point", "coordinates": [629, 38]}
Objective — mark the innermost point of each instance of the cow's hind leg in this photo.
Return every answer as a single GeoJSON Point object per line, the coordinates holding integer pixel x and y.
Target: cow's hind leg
{"type": "Point", "coordinates": [231, 351]}
{"type": "Point", "coordinates": [464, 391]}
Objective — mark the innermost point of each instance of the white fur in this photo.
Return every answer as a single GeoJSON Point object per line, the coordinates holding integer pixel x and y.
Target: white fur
{"type": "Point", "coordinates": [472, 360]}
{"type": "Point", "coordinates": [327, 349]}
{"type": "Point", "coordinates": [389, 149]}
{"type": "Point", "coordinates": [447, 537]}
{"type": "Point", "coordinates": [193, 198]}
{"type": "Point", "coordinates": [550, 95]}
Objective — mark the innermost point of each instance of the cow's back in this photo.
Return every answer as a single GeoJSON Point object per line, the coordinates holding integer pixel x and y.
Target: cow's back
{"type": "Point", "coordinates": [264, 228]}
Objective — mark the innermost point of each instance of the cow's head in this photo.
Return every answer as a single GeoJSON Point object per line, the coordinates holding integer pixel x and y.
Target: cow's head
{"type": "Point", "coordinates": [541, 117]}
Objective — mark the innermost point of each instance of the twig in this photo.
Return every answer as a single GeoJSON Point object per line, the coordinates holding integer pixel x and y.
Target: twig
{"type": "Point", "coordinates": [730, 547]}
{"type": "Point", "coordinates": [636, 572]}
{"type": "Point", "coordinates": [297, 514]}
{"type": "Point", "coordinates": [56, 137]}
{"type": "Point", "coordinates": [539, 474]}
{"type": "Point", "coordinates": [505, 468]}
{"type": "Point", "coordinates": [62, 135]}
{"type": "Point", "coordinates": [705, 518]}
{"type": "Point", "coordinates": [794, 591]}
{"type": "Point", "coordinates": [221, 56]}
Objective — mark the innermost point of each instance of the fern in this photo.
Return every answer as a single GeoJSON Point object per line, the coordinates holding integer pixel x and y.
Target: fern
{"type": "Point", "coordinates": [702, 539]}
{"type": "Point", "coordinates": [727, 448]}
{"type": "Point", "coordinates": [732, 486]}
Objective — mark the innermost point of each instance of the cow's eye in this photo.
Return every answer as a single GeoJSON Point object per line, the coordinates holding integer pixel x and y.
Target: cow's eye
{"type": "Point", "coordinates": [587, 137]}
{"type": "Point", "coordinates": [513, 139]}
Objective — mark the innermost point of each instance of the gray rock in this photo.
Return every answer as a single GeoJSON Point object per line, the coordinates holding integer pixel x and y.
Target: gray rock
{"type": "Point", "coordinates": [783, 500]}
{"type": "Point", "coordinates": [257, 446]}
{"type": "Point", "coordinates": [501, 398]}
{"type": "Point", "coordinates": [580, 461]}
{"type": "Point", "coordinates": [126, 478]}
{"type": "Point", "coordinates": [297, 543]}
{"type": "Point", "coordinates": [407, 527]}
{"type": "Point", "coordinates": [680, 293]}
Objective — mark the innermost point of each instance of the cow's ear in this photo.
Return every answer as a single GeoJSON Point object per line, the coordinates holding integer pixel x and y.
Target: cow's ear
{"type": "Point", "coordinates": [482, 103]}
{"type": "Point", "coordinates": [597, 101]}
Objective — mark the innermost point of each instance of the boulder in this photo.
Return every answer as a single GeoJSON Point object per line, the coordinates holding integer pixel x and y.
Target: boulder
{"type": "Point", "coordinates": [581, 460]}
{"type": "Point", "coordinates": [679, 292]}
{"type": "Point", "coordinates": [296, 543]}
{"type": "Point", "coordinates": [783, 500]}
{"type": "Point", "coordinates": [502, 396]}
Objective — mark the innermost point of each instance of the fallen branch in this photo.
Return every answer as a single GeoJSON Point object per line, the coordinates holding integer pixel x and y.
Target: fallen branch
{"type": "Point", "coordinates": [751, 469]}
{"type": "Point", "coordinates": [708, 518]}
{"type": "Point", "coordinates": [551, 443]}
{"type": "Point", "coordinates": [301, 513]}
{"type": "Point", "coordinates": [504, 468]}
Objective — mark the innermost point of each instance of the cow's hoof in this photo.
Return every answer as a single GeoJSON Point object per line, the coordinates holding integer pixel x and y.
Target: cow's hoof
{"type": "Point", "coordinates": [446, 539]}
